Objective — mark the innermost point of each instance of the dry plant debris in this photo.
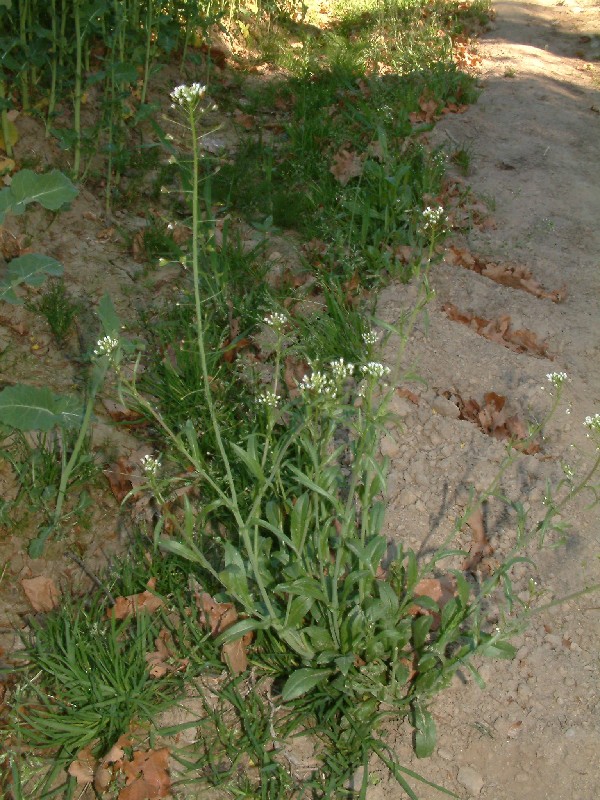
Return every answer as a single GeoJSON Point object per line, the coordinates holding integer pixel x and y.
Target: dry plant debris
{"type": "Point", "coordinates": [516, 277]}
{"type": "Point", "coordinates": [492, 416]}
{"type": "Point", "coordinates": [42, 593]}
{"type": "Point", "coordinates": [499, 330]}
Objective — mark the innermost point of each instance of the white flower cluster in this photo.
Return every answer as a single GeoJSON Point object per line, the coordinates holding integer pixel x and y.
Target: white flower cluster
{"type": "Point", "coordinates": [276, 321]}
{"type": "Point", "coordinates": [374, 369]}
{"type": "Point", "coordinates": [341, 369]}
{"type": "Point", "coordinates": [188, 95]}
{"type": "Point", "coordinates": [268, 398]}
{"type": "Point", "coordinates": [593, 423]}
{"type": "Point", "coordinates": [150, 465]}
{"type": "Point", "coordinates": [557, 379]}
{"type": "Point", "coordinates": [433, 216]}
{"type": "Point", "coordinates": [318, 383]}
{"type": "Point", "coordinates": [370, 337]}
{"type": "Point", "coordinates": [106, 346]}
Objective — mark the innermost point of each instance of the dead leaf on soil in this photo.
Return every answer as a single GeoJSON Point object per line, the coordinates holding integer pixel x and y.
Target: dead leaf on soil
{"type": "Point", "coordinates": [163, 659]}
{"type": "Point", "coordinates": [10, 245]}
{"type": "Point", "coordinates": [132, 604]}
{"type": "Point", "coordinates": [428, 110]}
{"type": "Point", "coordinates": [500, 331]}
{"type": "Point", "coordinates": [247, 121]}
{"type": "Point", "coordinates": [293, 373]}
{"type": "Point", "coordinates": [118, 412]}
{"type": "Point", "coordinates": [440, 590]}
{"type": "Point", "coordinates": [516, 277]}
{"type": "Point", "coordinates": [42, 593]}
{"type": "Point", "coordinates": [480, 546]}
{"type": "Point", "coordinates": [83, 768]}
{"type": "Point", "coordinates": [218, 617]}
{"type": "Point", "coordinates": [346, 165]}
{"type": "Point", "coordinates": [414, 398]}
{"type": "Point", "coordinates": [147, 775]}
{"type": "Point", "coordinates": [493, 418]}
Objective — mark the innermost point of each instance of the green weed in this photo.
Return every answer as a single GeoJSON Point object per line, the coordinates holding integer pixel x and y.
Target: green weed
{"type": "Point", "coordinates": [58, 308]}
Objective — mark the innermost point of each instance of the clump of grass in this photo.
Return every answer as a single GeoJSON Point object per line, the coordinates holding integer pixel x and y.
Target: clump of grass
{"type": "Point", "coordinates": [58, 308]}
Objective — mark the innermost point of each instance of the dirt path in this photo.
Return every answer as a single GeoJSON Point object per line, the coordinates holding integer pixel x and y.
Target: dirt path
{"type": "Point", "coordinates": [534, 143]}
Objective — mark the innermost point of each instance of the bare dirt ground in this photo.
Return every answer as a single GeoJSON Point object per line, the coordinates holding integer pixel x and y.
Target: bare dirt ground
{"type": "Point", "coordinates": [533, 141]}
{"type": "Point", "coordinates": [534, 136]}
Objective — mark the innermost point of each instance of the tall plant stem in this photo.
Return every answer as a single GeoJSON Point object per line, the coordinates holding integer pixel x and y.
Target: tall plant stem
{"type": "Point", "coordinates": [5, 126]}
{"type": "Point", "coordinates": [23, 15]}
{"type": "Point", "coordinates": [77, 97]}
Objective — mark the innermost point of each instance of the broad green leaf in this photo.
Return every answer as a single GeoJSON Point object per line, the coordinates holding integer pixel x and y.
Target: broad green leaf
{"type": "Point", "coordinates": [252, 464]}
{"type": "Point", "coordinates": [302, 681]}
{"type": "Point", "coordinates": [239, 629]}
{"type": "Point", "coordinates": [420, 629]}
{"type": "Point", "coordinates": [111, 324]}
{"type": "Point", "coordinates": [299, 520]}
{"type": "Point", "coordinates": [32, 408]}
{"type": "Point", "coordinates": [306, 481]}
{"type": "Point", "coordinates": [425, 733]}
{"type": "Point", "coordinates": [52, 190]}
{"type": "Point", "coordinates": [498, 650]}
{"type": "Point", "coordinates": [303, 586]}
{"type": "Point", "coordinates": [33, 269]}
{"type": "Point", "coordinates": [297, 641]}
{"type": "Point", "coordinates": [320, 637]}
{"type": "Point", "coordinates": [374, 552]}
{"type": "Point", "coordinates": [299, 608]}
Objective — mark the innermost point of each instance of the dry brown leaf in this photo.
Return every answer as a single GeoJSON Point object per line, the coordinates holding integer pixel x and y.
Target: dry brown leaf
{"type": "Point", "coordinates": [219, 617]}
{"type": "Point", "coordinates": [247, 121]}
{"type": "Point", "coordinates": [119, 477]}
{"type": "Point", "coordinates": [293, 373]}
{"type": "Point", "coordinates": [480, 546]}
{"type": "Point", "coordinates": [10, 245]}
{"type": "Point", "coordinates": [499, 330]}
{"type": "Point", "coordinates": [414, 398]}
{"type": "Point", "coordinates": [147, 775]}
{"type": "Point", "coordinates": [118, 412]}
{"type": "Point", "coordinates": [163, 659]}
{"type": "Point", "coordinates": [346, 165]}
{"type": "Point", "coordinates": [440, 590]}
{"type": "Point", "coordinates": [42, 593]}
{"type": "Point", "coordinates": [83, 768]}
{"type": "Point", "coordinates": [132, 604]}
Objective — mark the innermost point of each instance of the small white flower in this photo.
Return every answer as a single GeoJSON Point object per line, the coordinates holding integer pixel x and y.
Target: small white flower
{"type": "Point", "coordinates": [557, 379]}
{"type": "Point", "coordinates": [106, 346]}
{"type": "Point", "coordinates": [341, 369]}
{"type": "Point", "coordinates": [318, 383]}
{"type": "Point", "coordinates": [375, 369]}
{"type": "Point", "coordinates": [188, 95]}
{"type": "Point", "coordinates": [150, 465]}
{"type": "Point", "coordinates": [370, 337]}
{"type": "Point", "coordinates": [593, 423]}
{"type": "Point", "coordinates": [268, 398]}
{"type": "Point", "coordinates": [276, 321]}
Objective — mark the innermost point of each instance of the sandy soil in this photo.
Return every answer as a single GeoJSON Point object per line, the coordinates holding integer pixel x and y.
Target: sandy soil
{"type": "Point", "coordinates": [533, 136]}
{"type": "Point", "coordinates": [533, 139]}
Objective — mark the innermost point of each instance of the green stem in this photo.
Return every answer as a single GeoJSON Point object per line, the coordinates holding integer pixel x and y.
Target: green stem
{"type": "Point", "coordinates": [5, 126]}
{"type": "Point", "coordinates": [147, 54]}
{"type": "Point", "coordinates": [67, 469]}
{"type": "Point", "coordinates": [78, 93]}
{"type": "Point", "coordinates": [23, 15]}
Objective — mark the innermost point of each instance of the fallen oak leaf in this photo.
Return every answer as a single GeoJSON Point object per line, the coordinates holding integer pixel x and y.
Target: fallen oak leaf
{"type": "Point", "coordinates": [480, 546]}
{"type": "Point", "coordinates": [147, 775]}
{"type": "Point", "coordinates": [218, 617]}
{"type": "Point", "coordinates": [134, 603]}
{"type": "Point", "coordinates": [83, 768]}
{"type": "Point", "coordinates": [42, 593]}
{"type": "Point", "coordinates": [346, 165]}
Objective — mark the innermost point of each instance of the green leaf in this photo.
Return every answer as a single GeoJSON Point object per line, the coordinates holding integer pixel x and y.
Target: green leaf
{"type": "Point", "coordinates": [302, 681]}
{"type": "Point", "coordinates": [52, 190]}
{"type": "Point", "coordinates": [306, 481]}
{"type": "Point", "coordinates": [239, 629]}
{"type": "Point", "coordinates": [298, 609]}
{"type": "Point", "coordinates": [33, 269]}
{"type": "Point", "coordinates": [31, 408]}
{"type": "Point", "coordinates": [6, 203]}
{"type": "Point", "coordinates": [111, 324]}
{"type": "Point", "coordinates": [425, 732]}
{"type": "Point", "coordinates": [498, 650]}
{"type": "Point", "coordinates": [299, 520]}
{"type": "Point", "coordinates": [304, 586]}
{"type": "Point", "coordinates": [252, 464]}
{"type": "Point", "coordinates": [297, 641]}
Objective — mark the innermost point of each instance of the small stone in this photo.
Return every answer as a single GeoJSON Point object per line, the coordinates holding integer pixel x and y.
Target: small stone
{"type": "Point", "coordinates": [445, 408]}
{"type": "Point", "coordinates": [445, 754]}
{"type": "Point", "coordinates": [471, 780]}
